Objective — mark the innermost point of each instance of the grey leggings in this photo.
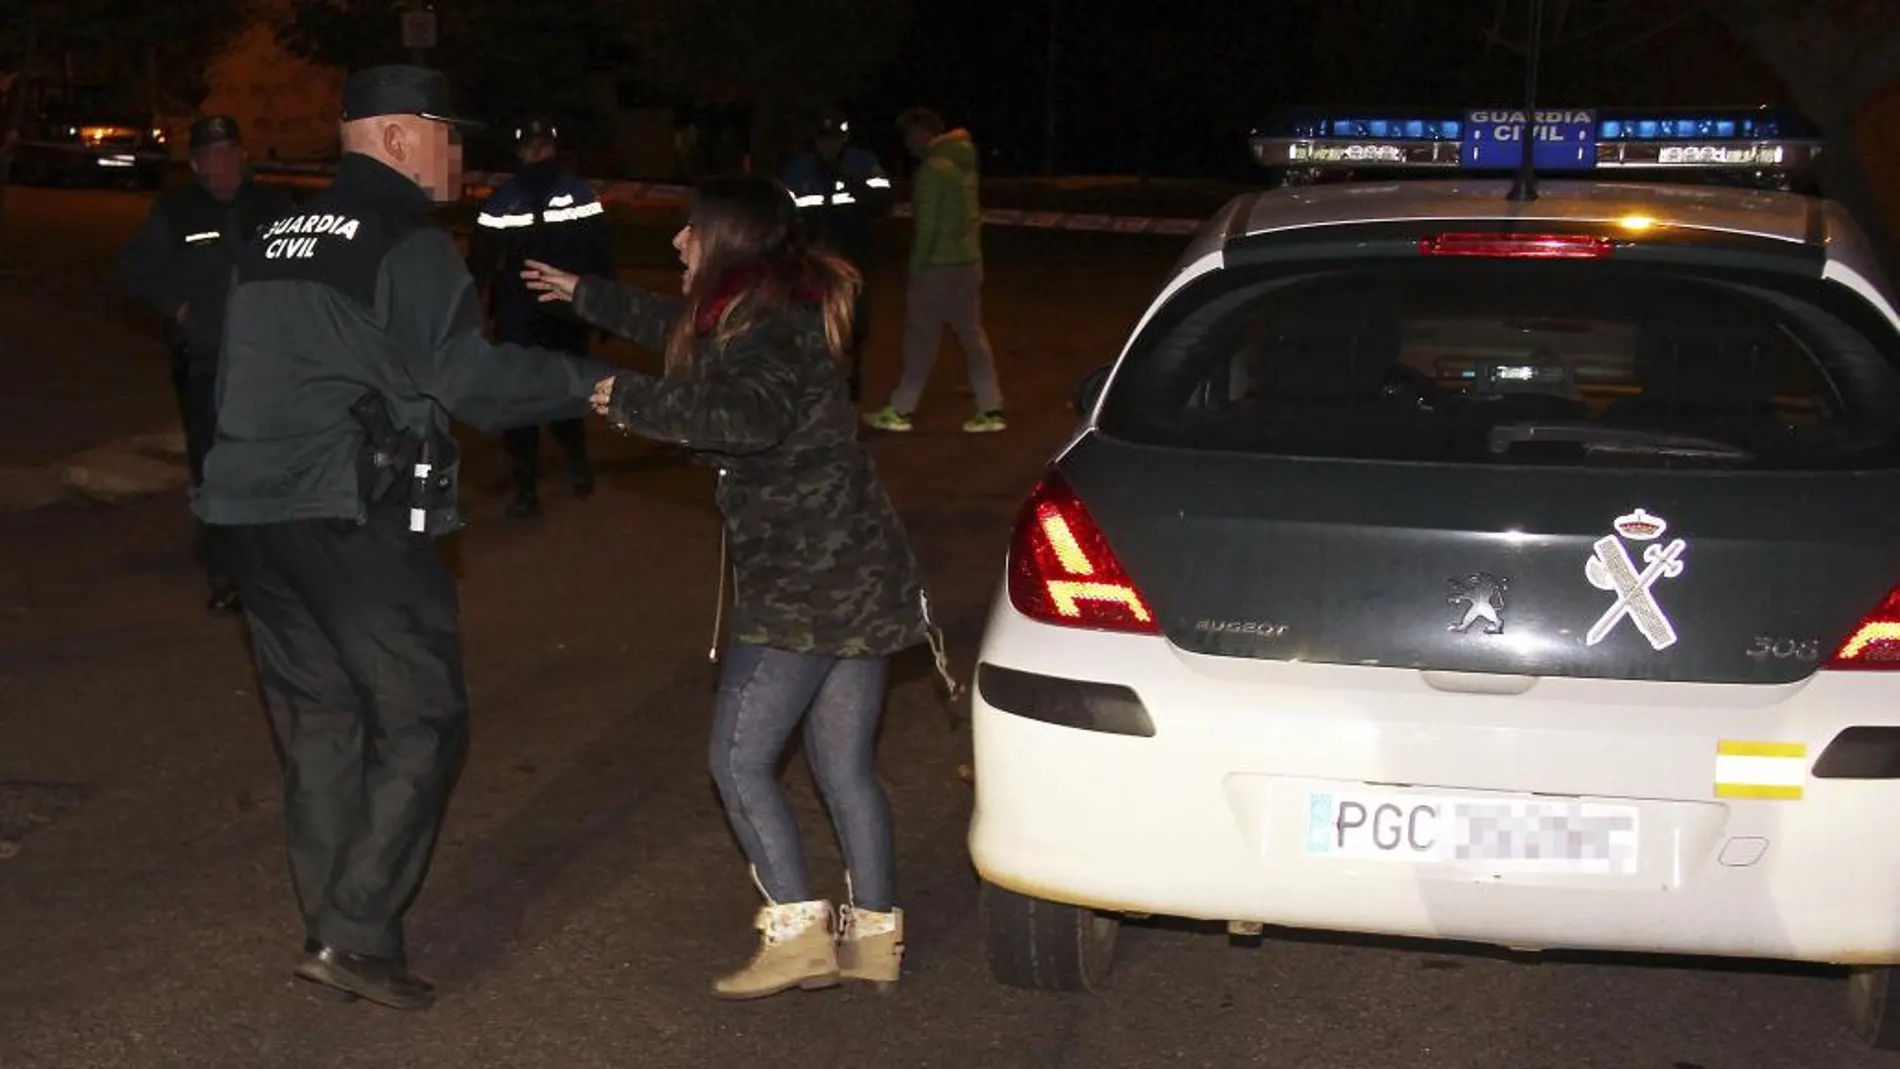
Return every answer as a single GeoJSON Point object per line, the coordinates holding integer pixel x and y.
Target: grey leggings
{"type": "Point", "coordinates": [764, 694]}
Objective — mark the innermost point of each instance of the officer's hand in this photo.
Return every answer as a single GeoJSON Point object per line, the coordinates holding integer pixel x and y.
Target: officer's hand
{"type": "Point", "coordinates": [603, 395]}
{"type": "Point", "coordinates": [183, 311]}
{"type": "Point", "coordinates": [551, 283]}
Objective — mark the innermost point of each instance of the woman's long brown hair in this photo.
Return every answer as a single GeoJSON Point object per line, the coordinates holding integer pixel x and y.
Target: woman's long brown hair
{"type": "Point", "coordinates": [754, 260]}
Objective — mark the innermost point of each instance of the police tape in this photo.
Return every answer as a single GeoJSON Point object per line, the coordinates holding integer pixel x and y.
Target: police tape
{"type": "Point", "coordinates": [476, 185]}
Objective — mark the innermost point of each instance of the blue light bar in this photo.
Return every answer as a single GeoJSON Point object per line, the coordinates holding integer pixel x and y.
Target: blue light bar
{"type": "Point", "coordinates": [1408, 129]}
{"type": "Point", "coordinates": [1738, 141]}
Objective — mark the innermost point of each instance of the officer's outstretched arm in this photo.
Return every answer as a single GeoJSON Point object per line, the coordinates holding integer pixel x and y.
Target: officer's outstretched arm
{"type": "Point", "coordinates": [640, 316]}
{"type": "Point", "coordinates": [741, 399]}
{"type": "Point", "coordinates": [428, 300]}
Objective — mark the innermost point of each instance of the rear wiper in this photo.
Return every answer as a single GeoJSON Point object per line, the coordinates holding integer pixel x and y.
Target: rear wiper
{"type": "Point", "coordinates": [1598, 438]}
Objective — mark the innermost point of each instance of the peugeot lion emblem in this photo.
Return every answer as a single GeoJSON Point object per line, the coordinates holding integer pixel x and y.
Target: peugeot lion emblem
{"type": "Point", "coordinates": [1477, 598]}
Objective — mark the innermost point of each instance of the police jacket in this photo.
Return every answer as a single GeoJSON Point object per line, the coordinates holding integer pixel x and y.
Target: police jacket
{"type": "Point", "coordinates": [359, 292]}
{"type": "Point", "coordinates": [183, 255]}
{"type": "Point", "coordinates": [543, 213]}
{"type": "Point", "coordinates": [839, 200]}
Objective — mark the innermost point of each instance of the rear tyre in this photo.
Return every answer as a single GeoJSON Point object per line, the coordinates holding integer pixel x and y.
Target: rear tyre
{"type": "Point", "coordinates": [1045, 946]}
{"type": "Point", "coordinates": [1873, 1007]}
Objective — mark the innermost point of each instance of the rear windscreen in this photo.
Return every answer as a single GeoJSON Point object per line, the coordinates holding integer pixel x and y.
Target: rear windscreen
{"type": "Point", "coordinates": [1516, 362]}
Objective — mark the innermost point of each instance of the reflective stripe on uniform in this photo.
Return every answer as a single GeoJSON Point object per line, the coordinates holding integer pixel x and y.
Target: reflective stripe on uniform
{"type": "Point", "coordinates": [568, 215]}
{"type": "Point", "coordinates": [553, 214]}
{"type": "Point", "coordinates": [820, 200]}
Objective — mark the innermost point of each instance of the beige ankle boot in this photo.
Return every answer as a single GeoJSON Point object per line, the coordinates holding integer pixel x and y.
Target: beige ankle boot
{"type": "Point", "coordinates": [796, 949]}
{"type": "Point", "coordinates": [870, 945]}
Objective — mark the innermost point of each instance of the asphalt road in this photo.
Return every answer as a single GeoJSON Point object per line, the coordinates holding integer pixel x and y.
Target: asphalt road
{"type": "Point", "coordinates": [587, 888]}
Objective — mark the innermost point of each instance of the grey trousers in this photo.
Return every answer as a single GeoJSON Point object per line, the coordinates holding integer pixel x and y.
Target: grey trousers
{"type": "Point", "coordinates": [939, 297]}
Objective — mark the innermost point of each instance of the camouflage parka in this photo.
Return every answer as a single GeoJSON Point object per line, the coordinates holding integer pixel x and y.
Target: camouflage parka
{"type": "Point", "coordinates": [820, 560]}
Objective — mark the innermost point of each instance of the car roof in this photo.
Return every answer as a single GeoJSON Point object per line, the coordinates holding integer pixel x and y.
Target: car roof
{"type": "Point", "coordinates": [1792, 218]}
{"type": "Point", "coordinates": [1776, 216]}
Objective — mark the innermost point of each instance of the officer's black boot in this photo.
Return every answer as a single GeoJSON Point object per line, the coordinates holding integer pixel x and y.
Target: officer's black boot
{"type": "Point", "coordinates": [323, 991]}
{"type": "Point", "coordinates": [384, 981]}
{"type": "Point", "coordinates": [224, 597]}
{"type": "Point", "coordinates": [526, 504]}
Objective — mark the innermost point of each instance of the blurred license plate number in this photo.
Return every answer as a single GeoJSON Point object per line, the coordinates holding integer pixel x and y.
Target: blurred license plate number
{"type": "Point", "coordinates": [1430, 829]}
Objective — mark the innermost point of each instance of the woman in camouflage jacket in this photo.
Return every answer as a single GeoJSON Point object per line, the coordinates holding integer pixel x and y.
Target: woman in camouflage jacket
{"type": "Point", "coordinates": [825, 586]}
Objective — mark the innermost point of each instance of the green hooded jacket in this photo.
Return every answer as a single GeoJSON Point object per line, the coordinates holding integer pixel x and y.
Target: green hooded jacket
{"type": "Point", "coordinates": [944, 200]}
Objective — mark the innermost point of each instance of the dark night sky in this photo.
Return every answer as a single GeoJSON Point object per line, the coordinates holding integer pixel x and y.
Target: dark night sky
{"type": "Point", "coordinates": [1176, 84]}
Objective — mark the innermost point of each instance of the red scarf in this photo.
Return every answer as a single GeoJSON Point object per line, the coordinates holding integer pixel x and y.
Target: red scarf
{"type": "Point", "coordinates": [780, 277]}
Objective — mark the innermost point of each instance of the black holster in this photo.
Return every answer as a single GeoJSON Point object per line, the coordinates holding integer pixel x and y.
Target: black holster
{"type": "Point", "coordinates": [387, 465]}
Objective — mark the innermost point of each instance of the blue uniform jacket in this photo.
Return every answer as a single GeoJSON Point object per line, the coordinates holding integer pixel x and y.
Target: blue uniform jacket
{"type": "Point", "coordinates": [543, 213]}
{"type": "Point", "coordinates": [839, 201]}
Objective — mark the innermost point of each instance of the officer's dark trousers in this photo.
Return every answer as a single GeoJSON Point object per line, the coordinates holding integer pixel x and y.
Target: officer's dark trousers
{"type": "Point", "coordinates": [524, 452]}
{"type": "Point", "coordinates": [524, 443]}
{"type": "Point", "coordinates": [198, 411]}
{"type": "Point", "coordinates": [357, 641]}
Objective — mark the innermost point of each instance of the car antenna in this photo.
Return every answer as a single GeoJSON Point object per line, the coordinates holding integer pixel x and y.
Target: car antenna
{"type": "Point", "coordinates": [1524, 188]}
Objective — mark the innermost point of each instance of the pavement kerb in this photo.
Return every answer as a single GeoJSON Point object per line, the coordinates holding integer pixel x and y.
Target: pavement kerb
{"type": "Point", "coordinates": [135, 466]}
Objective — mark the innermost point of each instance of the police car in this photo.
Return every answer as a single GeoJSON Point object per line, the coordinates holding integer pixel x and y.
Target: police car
{"type": "Point", "coordinates": [1470, 556]}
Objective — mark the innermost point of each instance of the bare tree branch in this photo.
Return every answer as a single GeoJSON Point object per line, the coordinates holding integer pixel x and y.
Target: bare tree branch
{"type": "Point", "coordinates": [1688, 13]}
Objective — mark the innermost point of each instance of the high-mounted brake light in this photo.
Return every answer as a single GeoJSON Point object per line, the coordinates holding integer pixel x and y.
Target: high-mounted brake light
{"type": "Point", "coordinates": [1527, 246]}
{"type": "Point", "coordinates": [1062, 571]}
{"type": "Point", "coordinates": [1875, 643]}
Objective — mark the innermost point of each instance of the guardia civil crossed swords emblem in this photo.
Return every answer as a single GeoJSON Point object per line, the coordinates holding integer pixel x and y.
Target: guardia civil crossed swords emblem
{"type": "Point", "coordinates": [1611, 569]}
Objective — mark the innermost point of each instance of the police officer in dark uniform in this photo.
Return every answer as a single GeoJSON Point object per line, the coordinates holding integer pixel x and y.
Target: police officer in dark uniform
{"type": "Point", "coordinates": [179, 262]}
{"type": "Point", "coordinates": [840, 190]}
{"type": "Point", "coordinates": [544, 213]}
{"type": "Point", "coordinates": [353, 334]}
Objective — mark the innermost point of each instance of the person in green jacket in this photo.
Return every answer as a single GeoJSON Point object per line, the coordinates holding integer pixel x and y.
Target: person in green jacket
{"type": "Point", "coordinates": [946, 274]}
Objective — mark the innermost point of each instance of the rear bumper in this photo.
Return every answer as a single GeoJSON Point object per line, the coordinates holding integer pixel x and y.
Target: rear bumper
{"type": "Point", "coordinates": [1212, 817]}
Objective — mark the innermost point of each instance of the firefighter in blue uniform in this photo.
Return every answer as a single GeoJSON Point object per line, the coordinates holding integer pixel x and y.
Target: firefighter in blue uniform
{"type": "Point", "coordinates": [544, 213]}
{"type": "Point", "coordinates": [841, 190]}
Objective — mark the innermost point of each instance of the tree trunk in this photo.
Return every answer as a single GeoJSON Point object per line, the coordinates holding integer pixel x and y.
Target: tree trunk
{"type": "Point", "coordinates": [16, 113]}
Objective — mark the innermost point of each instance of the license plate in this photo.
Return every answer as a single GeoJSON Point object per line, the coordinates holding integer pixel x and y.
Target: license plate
{"type": "Point", "coordinates": [1561, 140]}
{"type": "Point", "coordinates": [1367, 824]}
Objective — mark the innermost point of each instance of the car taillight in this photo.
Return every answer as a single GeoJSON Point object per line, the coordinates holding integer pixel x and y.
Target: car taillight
{"type": "Point", "coordinates": [1529, 246]}
{"type": "Point", "coordinates": [1062, 571]}
{"type": "Point", "coordinates": [1876, 642]}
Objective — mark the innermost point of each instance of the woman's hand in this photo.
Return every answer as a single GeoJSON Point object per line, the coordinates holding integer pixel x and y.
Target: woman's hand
{"type": "Point", "coordinates": [551, 283]}
{"type": "Point", "coordinates": [603, 395]}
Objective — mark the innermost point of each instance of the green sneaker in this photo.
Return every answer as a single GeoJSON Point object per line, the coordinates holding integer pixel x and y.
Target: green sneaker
{"type": "Point", "coordinates": [985, 423]}
{"type": "Point", "coordinates": [888, 419]}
